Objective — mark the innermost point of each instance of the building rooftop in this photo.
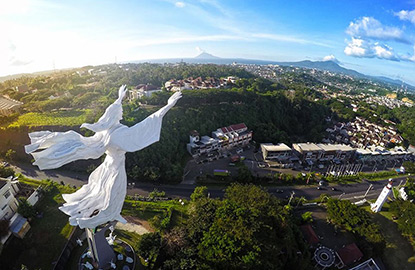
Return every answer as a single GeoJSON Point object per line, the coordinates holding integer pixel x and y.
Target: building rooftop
{"type": "Point", "coordinates": [309, 234]}
{"type": "Point", "coordinates": [6, 103]}
{"type": "Point", "coordinates": [276, 148]}
{"type": "Point", "coordinates": [367, 265]}
{"type": "Point", "coordinates": [308, 146]}
{"type": "Point", "coordinates": [349, 254]}
{"type": "Point", "coordinates": [3, 182]}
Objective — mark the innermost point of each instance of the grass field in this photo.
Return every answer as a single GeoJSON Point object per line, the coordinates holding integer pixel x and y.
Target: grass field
{"type": "Point", "coordinates": [147, 210]}
{"type": "Point", "coordinates": [61, 118]}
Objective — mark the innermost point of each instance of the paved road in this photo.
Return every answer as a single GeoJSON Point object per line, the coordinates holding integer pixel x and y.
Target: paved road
{"type": "Point", "coordinates": [353, 192]}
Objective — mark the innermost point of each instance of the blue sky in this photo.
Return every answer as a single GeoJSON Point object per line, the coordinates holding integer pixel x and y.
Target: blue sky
{"type": "Point", "coordinates": [374, 37]}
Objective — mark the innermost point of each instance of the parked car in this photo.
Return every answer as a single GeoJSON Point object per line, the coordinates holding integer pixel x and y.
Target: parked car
{"type": "Point", "coordinates": [321, 166]}
{"type": "Point", "coordinates": [239, 151]}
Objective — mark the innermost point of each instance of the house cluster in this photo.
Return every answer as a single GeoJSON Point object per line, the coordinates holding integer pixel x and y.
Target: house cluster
{"type": "Point", "coordinates": [10, 190]}
{"type": "Point", "coordinates": [307, 152]}
{"type": "Point", "coordinates": [223, 138]}
{"type": "Point", "coordinates": [391, 103]}
{"type": "Point", "coordinates": [198, 83]}
{"type": "Point", "coordinates": [142, 90]}
{"type": "Point", "coordinates": [9, 106]}
{"type": "Point", "coordinates": [361, 133]}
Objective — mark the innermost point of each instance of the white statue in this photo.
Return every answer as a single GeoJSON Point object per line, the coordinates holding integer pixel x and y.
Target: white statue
{"type": "Point", "coordinates": [88, 265]}
{"type": "Point", "coordinates": [79, 242]}
{"type": "Point", "coordinates": [102, 198]}
{"type": "Point", "coordinates": [111, 237]}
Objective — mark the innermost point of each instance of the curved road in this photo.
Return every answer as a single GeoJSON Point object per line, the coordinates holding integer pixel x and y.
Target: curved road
{"type": "Point", "coordinates": [353, 192]}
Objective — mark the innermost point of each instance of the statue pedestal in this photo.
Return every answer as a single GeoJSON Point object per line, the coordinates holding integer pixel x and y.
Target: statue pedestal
{"type": "Point", "coordinates": [102, 253]}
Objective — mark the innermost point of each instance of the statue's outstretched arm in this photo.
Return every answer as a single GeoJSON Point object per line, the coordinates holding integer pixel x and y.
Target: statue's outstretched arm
{"type": "Point", "coordinates": [112, 115]}
{"type": "Point", "coordinates": [146, 132]}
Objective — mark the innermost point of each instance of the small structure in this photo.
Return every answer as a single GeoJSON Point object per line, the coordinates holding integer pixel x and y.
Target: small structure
{"type": "Point", "coordinates": [367, 265]}
{"type": "Point", "coordinates": [19, 226]}
{"type": "Point", "coordinates": [279, 152]}
{"type": "Point", "coordinates": [348, 255]}
{"type": "Point", "coordinates": [324, 257]}
{"type": "Point", "coordinates": [377, 206]}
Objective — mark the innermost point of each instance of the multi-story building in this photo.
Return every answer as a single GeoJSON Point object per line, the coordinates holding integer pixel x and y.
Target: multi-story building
{"type": "Point", "coordinates": [8, 201]}
{"type": "Point", "coordinates": [278, 152]}
{"type": "Point", "coordinates": [232, 136]}
{"type": "Point", "coordinates": [336, 152]}
{"type": "Point", "coordinates": [222, 138]}
{"type": "Point", "coordinates": [309, 152]}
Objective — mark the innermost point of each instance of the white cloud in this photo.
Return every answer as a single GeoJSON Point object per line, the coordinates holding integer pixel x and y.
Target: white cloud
{"type": "Point", "coordinates": [329, 58]}
{"type": "Point", "coordinates": [180, 4]}
{"type": "Point", "coordinates": [406, 15]}
{"type": "Point", "coordinates": [332, 58]}
{"type": "Point", "coordinates": [369, 27]}
{"type": "Point", "coordinates": [363, 48]}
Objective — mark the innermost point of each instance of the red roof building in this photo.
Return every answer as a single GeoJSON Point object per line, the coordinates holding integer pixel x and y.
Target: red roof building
{"type": "Point", "coordinates": [309, 235]}
{"type": "Point", "coordinates": [349, 254]}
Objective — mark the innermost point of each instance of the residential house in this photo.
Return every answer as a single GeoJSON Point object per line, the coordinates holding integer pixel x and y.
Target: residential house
{"type": "Point", "coordinates": [142, 90]}
{"type": "Point", "coordinates": [9, 106]}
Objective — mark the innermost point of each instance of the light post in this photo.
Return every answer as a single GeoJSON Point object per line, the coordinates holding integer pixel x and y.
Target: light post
{"type": "Point", "coordinates": [368, 189]}
{"type": "Point", "coordinates": [181, 212]}
{"type": "Point", "coordinates": [291, 197]}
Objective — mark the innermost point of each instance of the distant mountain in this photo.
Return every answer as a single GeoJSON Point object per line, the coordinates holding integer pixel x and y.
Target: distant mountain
{"type": "Point", "coordinates": [332, 66]}
{"type": "Point", "coordinates": [205, 55]}
{"type": "Point", "coordinates": [207, 58]}
{"type": "Point", "coordinates": [324, 65]}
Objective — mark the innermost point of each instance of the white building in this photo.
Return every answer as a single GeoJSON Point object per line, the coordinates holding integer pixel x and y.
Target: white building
{"type": "Point", "coordinates": [279, 152]}
{"type": "Point", "coordinates": [8, 201]}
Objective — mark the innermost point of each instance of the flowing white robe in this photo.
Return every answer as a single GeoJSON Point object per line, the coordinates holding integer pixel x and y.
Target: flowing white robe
{"type": "Point", "coordinates": [100, 200]}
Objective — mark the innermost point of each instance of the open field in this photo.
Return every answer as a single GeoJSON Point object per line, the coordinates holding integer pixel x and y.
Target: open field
{"type": "Point", "coordinates": [61, 118]}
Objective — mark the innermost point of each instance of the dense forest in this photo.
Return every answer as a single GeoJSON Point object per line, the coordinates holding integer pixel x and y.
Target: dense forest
{"type": "Point", "coordinates": [248, 229]}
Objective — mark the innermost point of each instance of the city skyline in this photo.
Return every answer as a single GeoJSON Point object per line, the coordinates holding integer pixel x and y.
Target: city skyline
{"type": "Point", "coordinates": [373, 37]}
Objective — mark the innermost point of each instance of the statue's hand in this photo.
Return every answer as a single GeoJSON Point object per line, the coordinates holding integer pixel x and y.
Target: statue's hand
{"type": "Point", "coordinates": [174, 98]}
